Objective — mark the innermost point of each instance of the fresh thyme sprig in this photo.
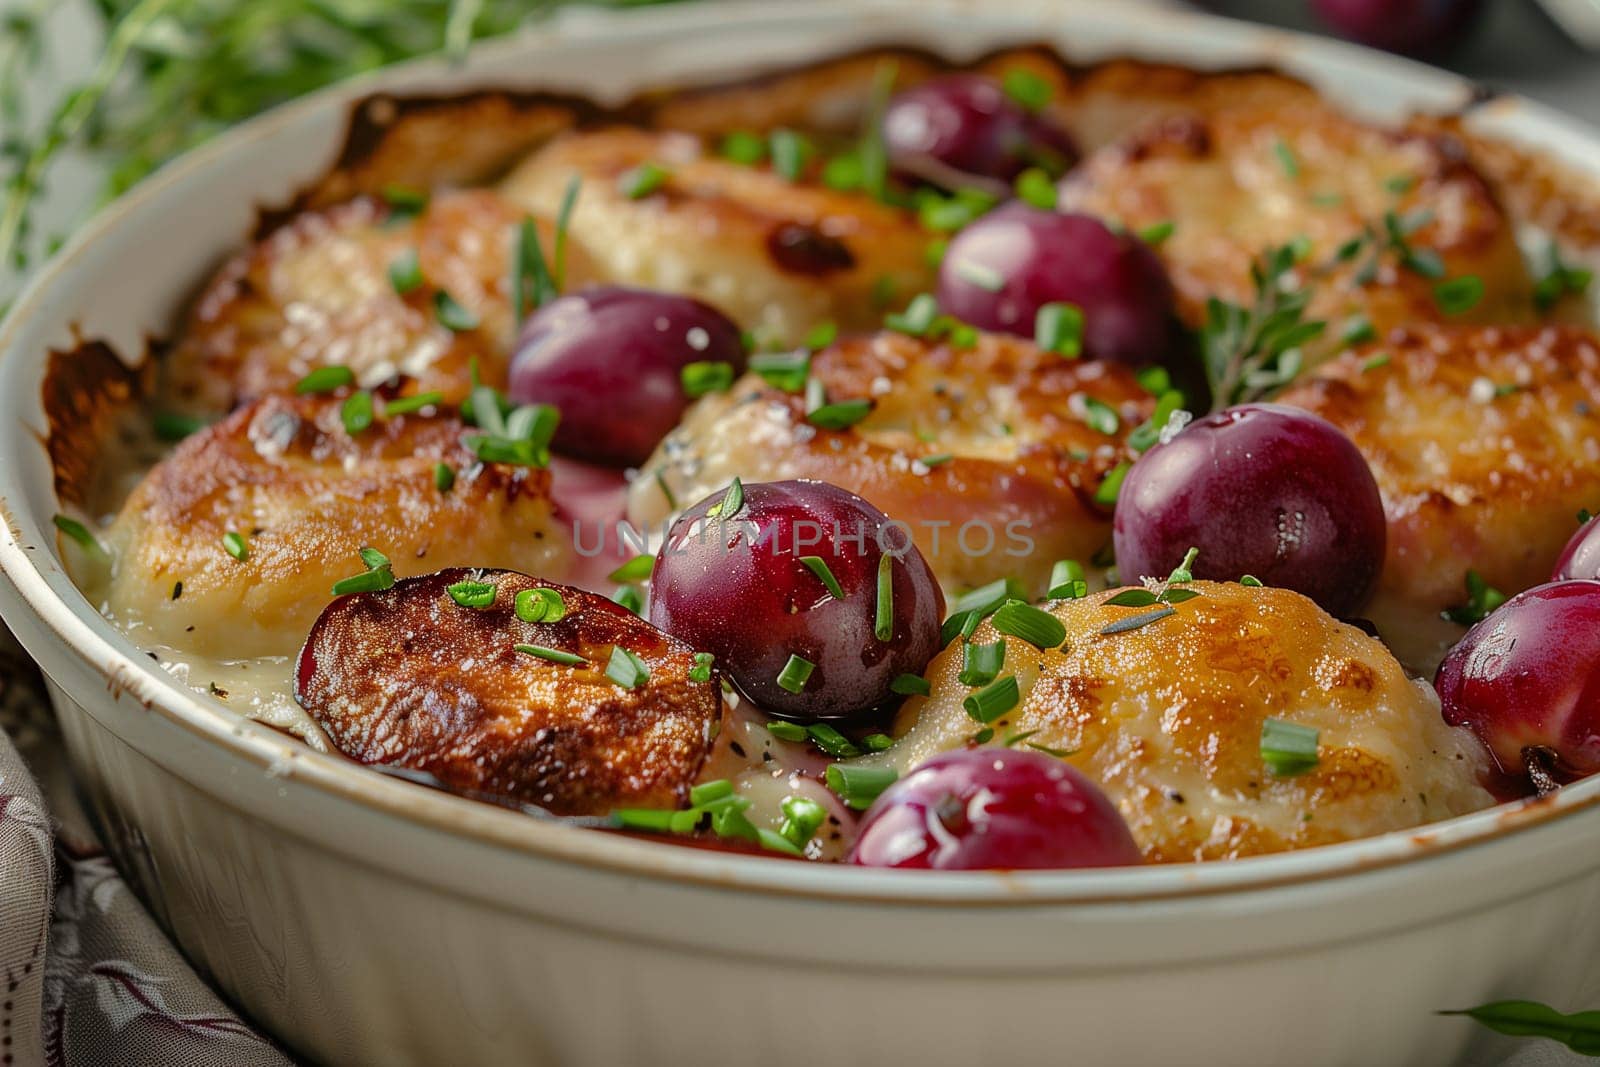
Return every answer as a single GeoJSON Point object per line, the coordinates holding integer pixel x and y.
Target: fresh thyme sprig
{"type": "Point", "coordinates": [1251, 351]}
{"type": "Point", "coordinates": [184, 70]}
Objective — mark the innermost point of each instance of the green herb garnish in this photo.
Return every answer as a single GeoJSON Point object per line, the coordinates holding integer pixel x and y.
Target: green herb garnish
{"type": "Point", "coordinates": [636, 569]}
{"type": "Point", "coordinates": [451, 314]}
{"type": "Point", "coordinates": [917, 317]}
{"type": "Point", "coordinates": [730, 503]}
{"type": "Point", "coordinates": [1106, 494]}
{"type": "Point", "coordinates": [859, 786]}
{"type": "Point", "coordinates": [1459, 295]}
{"type": "Point", "coordinates": [554, 655]}
{"type": "Point", "coordinates": [406, 405]}
{"type": "Point", "coordinates": [405, 272]}
{"type": "Point", "coordinates": [742, 146]}
{"type": "Point", "coordinates": [790, 151]}
{"type": "Point", "coordinates": [819, 567]}
{"type": "Point", "coordinates": [701, 671]}
{"type": "Point", "coordinates": [470, 594]}
{"type": "Point", "coordinates": [1067, 581]}
{"type": "Point", "coordinates": [1579, 1031]}
{"type": "Point", "coordinates": [883, 621]}
{"type": "Point", "coordinates": [1100, 416]}
{"type": "Point", "coordinates": [1026, 88]}
{"type": "Point", "coordinates": [539, 605]}
{"type": "Point", "coordinates": [325, 380]}
{"type": "Point", "coordinates": [795, 674]}
{"type": "Point", "coordinates": [1288, 748]}
{"type": "Point", "coordinates": [788, 371]}
{"type": "Point", "coordinates": [993, 700]}
{"type": "Point", "coordinates": [1034, 187]}
{"type": "Point", "coordinates": [626, 669]}
{"type": "Point", "coordinates": [1034, 625]}
{"type": "Point", "coordinates": [235, 545]}
{"type": "Point", "coordinates": [1249, 352]}
{"type": "Point", "coordinates": [378, 576]}
{"type": "Point", "coordinates": [911, 685]}
{"type": "Point", "coordinates": [639, 182]}
{"type": "Point", "coordinates": [1157, 232]}
{"type": "Point", "coordinates": [79, 534]}
{"type": "Point", "coordinates": [1482, 599]}
{"type": "Point", "coordinates": [630, 597]}
{"type": "Point", "coordinates": [1135, 622]}
{"type": "Point", "coordinates": [356, 412]}
{"type": "Point", "coordinates": [1559, 280]}
{"type": "Point", "coordinates": [1058, 328]}
{"type": "Point", "coordinates": [981, 663]}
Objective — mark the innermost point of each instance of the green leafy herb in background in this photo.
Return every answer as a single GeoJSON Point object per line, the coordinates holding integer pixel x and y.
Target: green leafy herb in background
{"type": "Point", "coordinates": [175, 72]}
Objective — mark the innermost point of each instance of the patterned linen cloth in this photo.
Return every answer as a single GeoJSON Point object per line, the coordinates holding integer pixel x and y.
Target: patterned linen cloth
{"type": "Point", "coordinates": [91, 981]}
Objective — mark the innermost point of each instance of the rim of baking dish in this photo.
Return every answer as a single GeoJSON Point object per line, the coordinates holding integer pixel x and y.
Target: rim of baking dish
{"type": "Point", "coordinates": [44, 588]}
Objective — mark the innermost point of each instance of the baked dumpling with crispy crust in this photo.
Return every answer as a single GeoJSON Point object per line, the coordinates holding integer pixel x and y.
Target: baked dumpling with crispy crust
{"type": "Point", "coordinates": [306, 496]}
{"type": "Point", "coordinates": [410, 677]}
{"type": "Point", "coordinates": [1382, 216]}
{"type": "Point", "coordinates": [776, 256]}
{"type": "Point", "coordinates": [1485, 442]}
{"type": "Point", "coordinates": [319, 291]}
{"type": "Point", "coordinates": [1015, 449]}
{"type": "Point", "coordinates": [1167, 718]}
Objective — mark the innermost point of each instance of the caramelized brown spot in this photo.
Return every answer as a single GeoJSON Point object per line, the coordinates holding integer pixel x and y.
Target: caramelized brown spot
{"type": "Point", "coordinates": [802, 249]}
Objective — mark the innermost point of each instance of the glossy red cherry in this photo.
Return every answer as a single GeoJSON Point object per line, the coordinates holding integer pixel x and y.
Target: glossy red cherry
{"type": "Point", "coordinates": [1000, 270]}
{"type": "Point", "coordinates": [1526, 680]}
{"type": "Point", "coordinates": [965, 124]}
{"type": "Point", "coordinates": [994, 809]}
{"type": "Point", "coordinates": [1260, 489]}
{"type": "Point", "coordinates": [1581, 557]}
{"type": "Point", "coordinates": [611, 360]}
{"type": "Point", "coordinates": [751, 585]}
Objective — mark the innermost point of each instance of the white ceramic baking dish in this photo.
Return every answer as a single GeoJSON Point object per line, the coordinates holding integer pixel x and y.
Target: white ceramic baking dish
{"type": "Point", "coordinates": [363, 919]}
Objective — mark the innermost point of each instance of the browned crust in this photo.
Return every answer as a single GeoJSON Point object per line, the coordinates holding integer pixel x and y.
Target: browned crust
{"type": "Point", "coordinates": [85, 390]}
{"type": "Point", "coordinates": [468, 708]}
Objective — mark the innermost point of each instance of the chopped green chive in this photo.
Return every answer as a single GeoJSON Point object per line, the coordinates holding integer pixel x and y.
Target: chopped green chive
{"type": "Point", "coordinates": [626, 669]}
{"type": "Point", "coordinates": [790, 152]}
{"type": "Point", "coordinates": [636, 569]}
{"type": "Point", "coordinates": [377, 577]}
{"type": "Point", "coordinates": [639, 182]}
{"type": "Point", "coordinates": [1106, 494]}
{"type": "Point", "coordinates": [706, 376]}
{"type": "Point", "coordinates": [981, 663]}
{"type": "Point", "coordinates": [1250, 581]}
{"type": "Point", "coordinates": [934, 251]}
{"type": "Point", "coordinates": [787, 731]}
{"type": "Point", "coordinates": [1286, 158]}
{"type": "Point", "coordinates": [472, 594]}
{"type": "Point", "coordinates": [1358, 330]}
{"type": "Point", "coordinates": [1459, 295]}
{"type": "Point", "coordinates": [877, 742]}
{"type": "Point", "coordinates": [986, 598]}
{"type": "Point", "coordinates": [993, 700]}
{"type": "Point", "coordinates": [783, 370]}
{"type": "Point", "coordinates": [844, 172]}
{"type": "Point", "coordinates": [840, 415]}
{"type": "Point", "coordinates": [1058, 328]}
{"type": "Point", "coordinates": [405, 272]}
{"type": "Point", "coordinates": [981, 275]}
{"type": "Point", "coordinates": [1147, 433]}
{"type": "Point", "coordinates": [325, 380]}
{"type": "Point", "coordinates": [170, 426]}
{"type": "Point", "coordinates": [539, 605]}
{"type": "Point", "coordinates": [911, 685]}
{"type": "Point", "coordinates": [532, 284]}
{"type": "Point", "coordinates": [742, 146]}
{"type": "Point", "coordinates": [819, 566]}
{"type": "Point", "coordinates": [1157, 233]}
{"type": "Point", "coordinates": [822, 335]}
{"type": "Point", "coordinates": [802, 818]}
{"type": "Point", "coordinates": [630, 597]}
{"type": "Point", "coordinates": [404, 201]}
{"type": "Point", "coordinates": [858, 786]}
{"type": "Point", "coordinates": [795, 674]}
{"type": "Point", "coordinates": [705, 793]}
{"type": "Point", "coordinates": [1067, 581]}
{"type": "Point", "coordinates": [936, 461]}
{"type": "Point", "coordinates": [1134, 622]}
{"type": "Point", "coordinates": [451, 315]}
{"type": "Point", "coordinates": [1382, 359]}
{"type": "Point", "coordinates": [406, 405]}
{"type": "Point", "coordinates": [1482, 600]}
{"type": "Point", "coordinates": [79, 534]}
{"type": "Point", "coordinates": [730, 503]}
{"type": "Point", "coordinates": [1037, 627]}
{"type": "Point", "coordinates": [236, 546]}
{"type": "Point", "coordinates": [1026, 88]}
{"type": "Point", "coordinates": [701, 671]}
{"type": "Point", "coordinates": [554, 655]}
{"type": "Point", "coordinates": [1157, 381]}
{"type": "Point", "coordinates": [916, 318]}
{"type": "Point", "coordinates": [831, 741]}
{"type": "Point", "coordinates": [1100, 416]}
{"type": "Point", "coordinates": [883, 624]}
{"type": "Point", "coordinates": [356, 412]}
{"type": "Point", "coordinates": [1559, 280]}
{"type": "Point", "coordinates": [1288, 748]}
{"type": "Point", "coordinates": [1035, 187]}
